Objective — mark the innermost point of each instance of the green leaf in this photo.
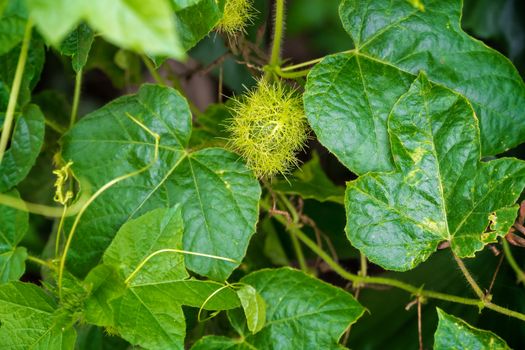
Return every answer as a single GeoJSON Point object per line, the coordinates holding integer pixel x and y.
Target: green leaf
{"type": "Point", "coordinates": [254, 307]}
{"type": "Point", "coordinates": [195, 19]}
{"type": "Point", "coordinates": [302, 313]}
{"type": "Point", "coordinates": [311, 182]}
{"type": "Point", "coordinates": [350, 95]}
{"type": "Point", "coordinates": [105, 284]}
{"type": "Point", "coordinates": [454, 333]}
{"type": "Point", "coordinates": [27, 319]}
{"type": "Point", "coordinates": [14, 225]}
{"type": "Point", "coordinates": [77, 45]}
{"type": "Point", "coordinates": [146, 27]}
{"type": "Point", "coordinates": [440, 190]}
{"type": "Point", "coordinates": [13, 18]}
{"type": "Point", "coordinates": [26, 142]}
{"type": "Point", "coordinates": [146, 308]}
{"type": "Point", "coordinates": [131, 246]}
{"type": "Point", "coordinates": [218, 194]}
{"type": "Point", "coordinates": [33, 68]}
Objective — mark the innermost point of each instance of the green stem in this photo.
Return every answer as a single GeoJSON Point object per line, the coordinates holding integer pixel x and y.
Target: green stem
{"type": "Point", "coordinates": [309, 63]}
{"type": "Point", "coordinates": [76, 98]}
{"type": "Point", "coordinates": [41, 262]}
{"type": "Point", "coordinates": [298, 250]}
{"type": "Point", "coordinates": [419, 292]}
{"type": "Point", "coordinates": [15, 89]}
{"type": "Point", "coordinates": [364, 265]}
{"type": "Point", "coordinates": [153, 71]}
{"type": "Point", "coordinates": [512, 262]}
{"type": "Point", "coordinates": [278, 33]}
{"type": "Point", "coordinates": [291, 75]}
{"type": "Point", "coordinates": [469, 277]}
{"type": "Point", "coordinates": [295, 242]}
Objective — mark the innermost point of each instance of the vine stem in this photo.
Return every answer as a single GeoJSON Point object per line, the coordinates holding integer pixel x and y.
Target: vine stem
{"type": "Point", "coordinates": [15, 89]}
{"type": "Point", "coordinates": [153, 71]}
{"type": "Point", "coordinates": [295, 242]}
{"type": "Point", "coordinates": [416, 291]}
{"type": "Point", "coordinates": [40, 262]}
{"type": "Point", "coordinates": [97, 194]}
{"type": "Point", "coordinates": [512, 262]}
{"type": "Point", "coordinates": [179, 251]}
{"type": "Point", "coordinates": [76, 98]}
{"type": "Point", "coordinates": [42, 209]}
{"type": "Point", "coordinates": [469, 277]}
{"type": "Point", "coordinates": [278, 33]}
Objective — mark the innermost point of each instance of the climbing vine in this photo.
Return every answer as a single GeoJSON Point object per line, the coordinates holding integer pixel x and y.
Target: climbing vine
{"type": "Point", "coordinates": [367, 198]}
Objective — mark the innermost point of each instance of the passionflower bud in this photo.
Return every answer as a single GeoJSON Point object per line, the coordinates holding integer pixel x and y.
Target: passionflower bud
{"type": "Point", "coordinates": [268, 128]}
{"type": "Point", "coordinates": [237, 15]}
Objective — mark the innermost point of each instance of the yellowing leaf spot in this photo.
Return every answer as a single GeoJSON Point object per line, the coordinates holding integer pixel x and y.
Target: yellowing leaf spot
{"type": "Point", "coordinates": [418, 4]}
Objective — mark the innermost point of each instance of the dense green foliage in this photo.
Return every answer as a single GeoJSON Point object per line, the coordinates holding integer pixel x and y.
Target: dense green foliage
{"type": "Point", "coordinates": [301, 197]}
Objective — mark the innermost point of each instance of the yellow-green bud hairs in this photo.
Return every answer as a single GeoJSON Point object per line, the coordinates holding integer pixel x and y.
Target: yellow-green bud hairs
{"type": "Point", "coordinates": [268, 128]}
{"type": "Point", "coordinates": [237, 15]}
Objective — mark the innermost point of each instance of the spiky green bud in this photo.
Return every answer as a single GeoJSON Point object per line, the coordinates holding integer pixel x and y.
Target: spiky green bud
{"type": "Point", "coordinates": [268, 128]}
{"type": "Point", "coordinates": [237, 15]}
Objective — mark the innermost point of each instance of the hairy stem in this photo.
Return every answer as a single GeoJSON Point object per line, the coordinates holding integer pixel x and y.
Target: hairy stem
{"type": "Point", "coordinates": [469, 277]}
{"type": "Point", "coordinates": [417, 291]}
{"type": "Point", "coordinates": [512, 262]}
{"type": "Point", "coordinates": [15, 89]}
{"type": "Point", "coordinates": [275, 57]}
{"type": "Point", "coordinates": [76, 98]}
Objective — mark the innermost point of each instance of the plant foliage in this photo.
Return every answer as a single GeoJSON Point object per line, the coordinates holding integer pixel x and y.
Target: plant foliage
{"type": "Point", "coordinates": [140, 221]}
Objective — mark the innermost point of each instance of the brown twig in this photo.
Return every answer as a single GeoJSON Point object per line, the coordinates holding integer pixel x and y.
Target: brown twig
{"type": "Point", "coordinates": [495, 274]}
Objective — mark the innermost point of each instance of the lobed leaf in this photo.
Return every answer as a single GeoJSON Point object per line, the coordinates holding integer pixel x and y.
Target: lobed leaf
{"type": "Point", "coordinates": [217, 193]}
{"type": "Point", "coordinates": [141, 298]}
{"type": "Point", "coordinates": [350, 95]}
{"type": "Point", "coordinates": [440, 190]}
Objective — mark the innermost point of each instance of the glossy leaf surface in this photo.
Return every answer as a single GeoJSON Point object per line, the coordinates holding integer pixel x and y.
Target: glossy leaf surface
{"type": "Point", "coordinates": [350, 95]}
{"type": "Point", "coordinates": [218, 194]}
{"type": "Point", "coordinates": [454, 333]}
{"type": "Point", "coordinates": [440, 190]}
{"type": "Point", "coordinates": [141, 297]}
{"type": "Point", "coordinates": [299, 308]}
{"type": "Point", "coordinates": [26, 141]}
